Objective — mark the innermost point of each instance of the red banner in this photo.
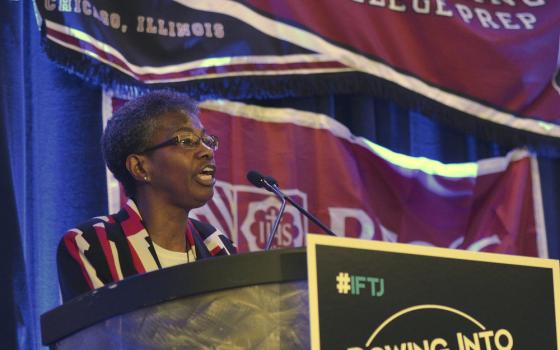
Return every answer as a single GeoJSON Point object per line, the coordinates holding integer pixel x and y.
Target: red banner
{"type": "Point", "coordinates": [360, 189]}
{"type": "Point", "coordinates": [471, 55]}
{"type": "Point", "coordinates": [495, 60]}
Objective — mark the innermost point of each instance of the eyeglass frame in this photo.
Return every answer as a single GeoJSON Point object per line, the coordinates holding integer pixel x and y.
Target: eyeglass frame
{"type": "Point", "coordinates": [176, 140]}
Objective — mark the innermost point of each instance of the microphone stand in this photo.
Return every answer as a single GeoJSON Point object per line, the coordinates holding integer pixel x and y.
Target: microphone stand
{"type": "Point", "coordinates": [278, 217]}
{"type": "Point", "coordinates": [310, 216]}
{"type": "Point", "coordinates": [271, 185]}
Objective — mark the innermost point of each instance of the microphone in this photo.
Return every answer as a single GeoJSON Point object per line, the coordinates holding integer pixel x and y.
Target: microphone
{"type": "Point", "coordinates": [260, 181]}
{"type": "Point", "coordinates": [255, 178]}
{"type": "Point", "coordinates": [270, 184]}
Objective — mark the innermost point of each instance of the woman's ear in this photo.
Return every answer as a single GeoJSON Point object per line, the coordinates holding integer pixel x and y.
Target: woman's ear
{"type": "Point", "coordinates": [137, 165]}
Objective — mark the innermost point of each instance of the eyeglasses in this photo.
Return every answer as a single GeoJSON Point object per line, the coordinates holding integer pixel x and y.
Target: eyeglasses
{"type": "Point", "coordinates": [188, 141]}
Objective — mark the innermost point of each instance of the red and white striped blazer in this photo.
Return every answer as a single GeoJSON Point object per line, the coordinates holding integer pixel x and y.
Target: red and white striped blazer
{"type": "Point", "coordinates": [109, 248]}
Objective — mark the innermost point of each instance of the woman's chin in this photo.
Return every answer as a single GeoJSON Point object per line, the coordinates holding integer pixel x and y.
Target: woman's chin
{"type": "Point", "coordinates": [202, 198]}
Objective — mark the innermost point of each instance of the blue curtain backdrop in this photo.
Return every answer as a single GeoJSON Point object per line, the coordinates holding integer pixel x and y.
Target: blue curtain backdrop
{"type": "Point", "coordinates": [52, 174]}
{"type": "Point", "coordinates": [51, 130]}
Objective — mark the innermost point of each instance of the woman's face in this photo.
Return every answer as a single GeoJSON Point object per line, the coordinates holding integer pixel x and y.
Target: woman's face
{"type": "Point", "coordinates": [181, 176]}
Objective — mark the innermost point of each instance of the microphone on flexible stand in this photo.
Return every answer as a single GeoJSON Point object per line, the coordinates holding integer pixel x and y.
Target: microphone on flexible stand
{"type": "Point", "coordinates": [259, 181]}
{"type": "Point", "coordinates": [270, 184]}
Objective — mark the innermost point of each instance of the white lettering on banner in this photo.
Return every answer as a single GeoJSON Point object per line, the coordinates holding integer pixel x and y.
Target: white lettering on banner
{"type": "Point", "coordinates": [179, 29]}
{"type": "Point", "coordinates": [380, 3]}
{"type": "Point", "coordinates": [339, 216]}
{"type": "Point", "coordinates": [465, 12]}
{"type": "Point", "coordinates": [144, 24]}
{"type": "Point", "coordinates": [505, 19]}
{"type": "Point", "coordinates": [497, 17]}
{"type": "Point", "coordinates": [528, 19]}
{"type": "Point", "coordinates": [487, 19]}
{"type": "Point", "coordinates": [107, 18]}
{"type": "Point", "coordinates": [393, 5]}
{"type": "Point", "coordinates": [262, 209]}
{"type": "Point", "coordinates": [425, 9]}
{"type": "Point", "coordinates": [441, 9]}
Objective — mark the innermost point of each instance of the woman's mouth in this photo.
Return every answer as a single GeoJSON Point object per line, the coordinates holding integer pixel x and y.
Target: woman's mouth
{"type": "Point", "coordinates": [207, 176]}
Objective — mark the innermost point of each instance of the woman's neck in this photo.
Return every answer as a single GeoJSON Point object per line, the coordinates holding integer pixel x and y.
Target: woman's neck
{"type": "Point", "coordinates": [165, 224]}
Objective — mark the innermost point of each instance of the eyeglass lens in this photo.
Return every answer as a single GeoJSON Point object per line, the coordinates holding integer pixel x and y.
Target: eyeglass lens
{"type": "Point", "coordinates": [193, 140]}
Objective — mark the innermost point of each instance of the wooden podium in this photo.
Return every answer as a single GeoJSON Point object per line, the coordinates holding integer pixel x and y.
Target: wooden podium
{"type": "Point", "coordinates": [248, 301]}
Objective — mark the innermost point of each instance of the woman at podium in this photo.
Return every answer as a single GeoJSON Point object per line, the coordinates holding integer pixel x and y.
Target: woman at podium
{"type": "Point", "coordinates": [158, 149]}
